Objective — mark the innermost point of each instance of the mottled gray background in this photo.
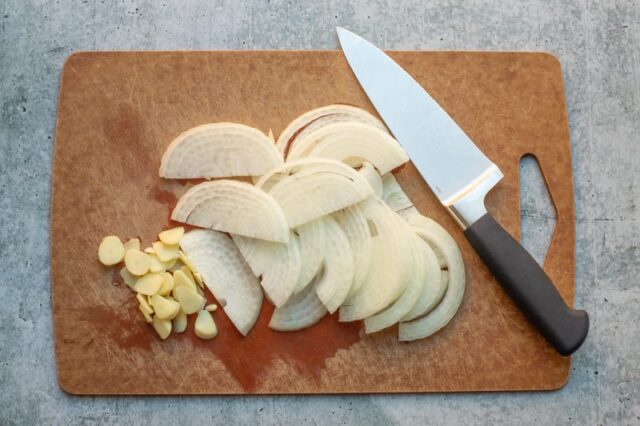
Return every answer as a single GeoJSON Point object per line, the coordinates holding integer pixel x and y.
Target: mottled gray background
{"type": "Point", "coordinates": [598, 45]}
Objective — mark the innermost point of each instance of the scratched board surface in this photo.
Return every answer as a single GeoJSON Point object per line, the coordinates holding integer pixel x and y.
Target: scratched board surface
{"type": "Point", "coordinates": [118, 112]}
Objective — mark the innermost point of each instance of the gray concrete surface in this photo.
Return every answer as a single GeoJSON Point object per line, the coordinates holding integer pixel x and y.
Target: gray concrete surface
{"type": "Point", "coordinates": [598, 45]}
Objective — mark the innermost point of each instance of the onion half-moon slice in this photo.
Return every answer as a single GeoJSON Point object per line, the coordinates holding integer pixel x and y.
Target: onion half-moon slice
{"type": "Point", "coordinates": [393, 194]}
{"type": "Point", "coordinates": [319, 117]}
{"type": "Point", "coordinates": [311, 236]}
{"type": "Point", "coordinates": [434, 286]}
{"type": "Point", "coordinates": [219, 150]}
{"type": "Point", "coordinates": [390, 263]}
{"type": "Point", "coordinates": [314, 192]}
{"type": "Point", "coordinates": [234, 207]}
{"type": "Point", "coordinates": [372, 176]}
{"type": "Point", "coordinates": [269, 179]}
{"type": "Point", "coordinates": [440, 316]}
{"type": "Point", "coordinates": [278, 265]}
{"type": "Point", "coordinates": [352, 143]}
{"type": "Point", "coordinates": [415, 284]}
{"type": "Point", "coordinates": [354, 223]}
{"type": "Point", "coordinates": [333, 287]}
{"type": "Point", "coordinates": [303, 310]}
{"type": "Point", "coordinates": [226, 274]}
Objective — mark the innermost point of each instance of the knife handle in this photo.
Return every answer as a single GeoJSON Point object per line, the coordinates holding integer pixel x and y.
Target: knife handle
{"type": "Point", "coordinates": [528, 285]}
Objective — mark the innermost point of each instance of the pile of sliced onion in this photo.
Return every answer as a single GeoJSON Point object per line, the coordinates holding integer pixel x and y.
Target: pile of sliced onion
{"type": "Point", "coordinates": [324, 227]}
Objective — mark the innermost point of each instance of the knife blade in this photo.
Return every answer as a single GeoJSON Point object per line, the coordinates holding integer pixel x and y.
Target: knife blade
{"type": "Point", "coordinates": [461, 175]}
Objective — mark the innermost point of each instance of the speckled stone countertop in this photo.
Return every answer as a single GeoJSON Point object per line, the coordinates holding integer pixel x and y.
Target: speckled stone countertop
{"type": "Point", "coordinates": [598, 44]}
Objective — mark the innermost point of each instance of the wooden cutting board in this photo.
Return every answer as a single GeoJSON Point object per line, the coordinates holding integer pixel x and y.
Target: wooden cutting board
{"type": "Point", "coordinates": [119, 111]}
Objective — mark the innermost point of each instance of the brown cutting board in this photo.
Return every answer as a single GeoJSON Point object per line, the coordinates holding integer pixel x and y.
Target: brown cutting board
{"type": "Point", "coordinates": [119, 111]}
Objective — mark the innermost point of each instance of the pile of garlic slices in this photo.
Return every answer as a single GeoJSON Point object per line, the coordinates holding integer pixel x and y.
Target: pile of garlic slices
{"type": "Point", "coordinates": [324, 227]}
{"type": "Point", "coordinates": [164, 281]}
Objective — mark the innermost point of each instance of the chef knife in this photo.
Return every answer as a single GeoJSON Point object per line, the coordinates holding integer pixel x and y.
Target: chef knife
{"type": "Point", "coordinates": [460, 175]}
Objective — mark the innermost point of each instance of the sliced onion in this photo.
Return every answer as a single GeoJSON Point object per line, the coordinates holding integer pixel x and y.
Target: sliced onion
{"type": "Point", "coordinates": [352, 143]}
{"type": "Point", "coordinates": [278, 265]}
{"type": "Point", "coordinates": [354, 223]}
{"type": "Point", "coordinates": [303, 310]}
{"type": "Point", "coordinates": [319, 117]}
{"type": "Point", "coordinates": [409, 211]}
{"type": "Point", "coordinates": [226, 274]}
{"type": "Point", "coordinates": [440, 316]}
{"type": "Point", "coordinates": [311, 236]}
{"type": "Point", "coordinates": [269, 179]}
{"type": "Point", "coordinates": [372, 176]}
{"type": "Point", "coordinates": [337, 278]}
{"type": "Point", "coordinates": [434, 285]}
{"type": "Point", "coordinates": [415, 285]}
{"type": "Point", "coordinates": [390, 263]}
{"type": "Point", "coordinates": [219, 150]}
{"type": "Point", "coordinates": [393, 194]}
{"type": "Point", "coordinates": [234, 207]}
{"type": "Point", "coordinates": [313, 192]}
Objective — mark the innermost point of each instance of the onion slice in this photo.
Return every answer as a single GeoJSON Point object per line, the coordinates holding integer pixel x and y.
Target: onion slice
{"type": "Point", "coordinates": [390, 263]}
{"type": "Point", "coordinates": [303, 310]}
{"type": "Point", "coordinates": [219, 150]}
{"type": "Point", "coordinates": [415, 285]}
{"type": "Point", "coordinates": [436, 236]}
{"type": "Point", "coordinates": [226, 274]}
{"type": "Point", "coordinates": [393, 194]}
{"type": "Point", "coordinates": [314, 192]}
{"type": "Point", "coordinates": [269, 179]}
{"type": "Point", "coordinates": [434, 284]}
{"type": "Point", "coordinates": [352, 143]}
{"type": "Point", "coordinates": [319, 117]}
{"type": "Point", "coordinates": [372, 176]}
{"type": "Point", "coordinates": [354, 223]}
{"type": "Point", "coordinates": [278, 265]}
{"type": "Point", "coordinates": [337, 278]}
{"type": "Point", "coordinates": [234, 207]}
{"type": "Point", "coordinates": [311, 236]}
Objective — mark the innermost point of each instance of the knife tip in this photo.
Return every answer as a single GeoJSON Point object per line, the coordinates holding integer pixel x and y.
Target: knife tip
{"type": "Point", "coordinates": [344, 35]}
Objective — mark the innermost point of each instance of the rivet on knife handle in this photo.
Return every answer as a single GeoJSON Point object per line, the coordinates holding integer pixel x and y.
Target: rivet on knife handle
{"type": "Point", "coordinates": [528, 285]}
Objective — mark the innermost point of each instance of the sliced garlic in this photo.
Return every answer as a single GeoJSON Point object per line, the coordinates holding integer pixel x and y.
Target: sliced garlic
{"type": "Point", "coordinates": [171, 236]}
{"type": "Point", "coordinates": [211, 308]}
{"type": "Point", "coordinates": [164, 308]}
{"type": "Point", "coordinates": [145, 314]}
{"type": "Point", "coordinates": [185, 270]}
{"type": "Point", "coordinates": [198, 279]}
{"type": "Point", "coordinates": [144, 304]}
{"type": "Point", "coordinates": [137, 262]}
{"type": "Point", "coordinates": [128, 278]}
{"type": "Point", "coordinates": [162, 326]}
{"type": "Point", "coordinates": [205, 326]}
{"type": "Point", "coordinates": [167, 284]}
{"type": "Point", "coordinates": [111, 250]}
{"type": "Point", "coordinates": [157, 265]}
{"type": "Point", "coordinates": [165, 252]}
{"type": "Point", "coordinates": [180, 322]}
{"type": "Point", "coordinates": [190, 301]}
{"type": "Point", "coordinates": [149, 250]}
{"type": "Point", "coordinates": [184, 259]}
{"type": "Point", "coordinates": [132, 244]}
{"type": "Point", "coordinates": [181, 279]}
{"type": "Point", "coordinates": [149, 284]}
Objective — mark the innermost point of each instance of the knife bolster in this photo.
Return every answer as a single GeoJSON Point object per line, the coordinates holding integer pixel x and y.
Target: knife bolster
{"type": "Point", "coordinates": [467, 206]}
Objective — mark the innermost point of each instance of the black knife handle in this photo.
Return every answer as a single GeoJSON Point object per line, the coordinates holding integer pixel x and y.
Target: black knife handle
{"type": "Point", "coordinates": [528, 285]}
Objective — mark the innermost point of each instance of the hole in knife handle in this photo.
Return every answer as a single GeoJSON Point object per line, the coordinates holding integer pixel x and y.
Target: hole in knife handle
{"type": "Point", "coordinates": [538, 214]}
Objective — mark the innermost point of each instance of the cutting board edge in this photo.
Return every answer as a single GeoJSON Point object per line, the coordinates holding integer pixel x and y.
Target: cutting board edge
{"type": "Point", "coordinates": [69, 390]}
